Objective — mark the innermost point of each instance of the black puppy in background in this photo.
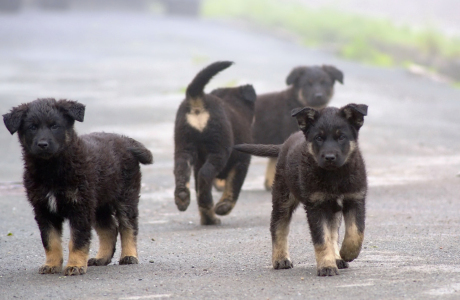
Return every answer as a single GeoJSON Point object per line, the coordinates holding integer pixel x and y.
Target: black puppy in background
{"type": "Point", "coordinates": [90, 180]}
{"type": "Point", "coordinates": [206, 128]}
{"type": "Point", "coordinates": [322, 168]}
{"type": "Point", "coordinates": [309, 86]}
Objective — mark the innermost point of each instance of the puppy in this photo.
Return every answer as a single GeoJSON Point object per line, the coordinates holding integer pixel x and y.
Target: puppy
{"type": "Point", "coordinates": [321, 168]}
{"type": "Point", "coordinates": [206, 127]}
{"type": "Point", "coordinates": [309, 86]}
{"type": "Point", "coordinates": [90, 180]}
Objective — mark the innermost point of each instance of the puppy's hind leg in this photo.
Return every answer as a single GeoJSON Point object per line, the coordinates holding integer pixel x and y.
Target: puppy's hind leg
{"type": "Point", "coordinates": [233, 184]}
{"type": "Point", "coordinates": [128, 217]}
{"type": "Point", "coordinates": [205, 177]}
{"type": "Point", "coordinates": [107, 232]}
{"type": "Point", "coordinates": [182, 168]}
{"type": "Point", "coordinates": [284, 204]}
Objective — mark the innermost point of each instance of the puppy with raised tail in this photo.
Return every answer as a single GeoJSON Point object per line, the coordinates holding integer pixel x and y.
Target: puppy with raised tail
{"type": "Point", "coordinates": [320, 167]}
{"type": "Point", "coordinates": [92, 180]}
{"type": "Point", "coordinates": [206, 128]}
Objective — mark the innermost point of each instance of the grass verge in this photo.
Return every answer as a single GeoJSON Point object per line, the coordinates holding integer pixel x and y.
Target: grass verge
{"type": "Point", "coordinates": [372, 41]}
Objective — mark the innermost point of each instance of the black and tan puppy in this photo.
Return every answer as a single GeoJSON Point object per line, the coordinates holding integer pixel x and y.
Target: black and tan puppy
{"type": "Point", "coordinates": [207, 126]}
{"type": "Point", "coordinates": [309, 86]}
{"type": "Point", "coordinates": [321, 168]}
{"type": "Point", "coordinates": [90, 180]}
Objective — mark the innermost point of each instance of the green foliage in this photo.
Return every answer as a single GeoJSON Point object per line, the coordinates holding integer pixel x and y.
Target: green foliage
{"type": "Point", "coordinates": [354, 37]}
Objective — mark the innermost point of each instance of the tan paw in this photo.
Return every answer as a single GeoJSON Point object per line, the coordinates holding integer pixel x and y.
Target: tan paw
{"type": "Point", "coordinates": [74, 270]}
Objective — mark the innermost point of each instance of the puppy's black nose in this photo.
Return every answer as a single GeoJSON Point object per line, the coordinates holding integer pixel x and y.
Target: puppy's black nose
{"type": "Point", "coordinates": [329, 157]}
{"type": "Point", "coordinates": [319, 95]}
{"type": "Point", "coordinates": [43, 144]}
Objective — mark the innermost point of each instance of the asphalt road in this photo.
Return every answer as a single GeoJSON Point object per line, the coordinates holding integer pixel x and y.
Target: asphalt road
{"type": "Point", "coordinates": [131, 70]}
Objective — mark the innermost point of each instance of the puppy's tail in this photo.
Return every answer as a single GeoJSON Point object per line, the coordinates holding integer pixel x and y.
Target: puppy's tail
{"type": "Point", "coordinates": [196, 87]}
{"type": "Point", "coordinates": [142, 154]}
{"type": "Point", "coordinates": [259, 150]}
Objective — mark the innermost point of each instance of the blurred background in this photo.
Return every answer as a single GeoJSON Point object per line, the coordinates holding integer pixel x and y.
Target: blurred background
{"type": "Point", "coordinates": [422, 36]}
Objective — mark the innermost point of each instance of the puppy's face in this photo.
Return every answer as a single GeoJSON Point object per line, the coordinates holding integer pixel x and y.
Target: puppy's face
{"type": "Point", "coordinates": [44, 126]}
{"type": "Point", "coordinates": [314, 86]}
{"type": "Point", "coordinates": [331, 133]}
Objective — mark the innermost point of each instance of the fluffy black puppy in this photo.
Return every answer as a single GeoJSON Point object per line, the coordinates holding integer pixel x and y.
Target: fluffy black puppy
{"type": "Point", "coordinates": [207, 126]}
{"type": "Point", "coordinates": [91, 180]}
{"type": "Point", "coordinates": [309, 86]}
{"type": "Point", "coordinates": [322, 168]}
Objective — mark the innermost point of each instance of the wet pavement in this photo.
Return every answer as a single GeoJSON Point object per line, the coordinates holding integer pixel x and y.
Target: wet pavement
{"type": "Point", "coordinates": [131, 70]}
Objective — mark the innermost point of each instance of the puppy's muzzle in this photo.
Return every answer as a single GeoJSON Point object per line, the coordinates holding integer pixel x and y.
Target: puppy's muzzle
{"type": "Point", "coordinates": [43, 145]}
{"type": "Point", "coordinates": [330, 160]}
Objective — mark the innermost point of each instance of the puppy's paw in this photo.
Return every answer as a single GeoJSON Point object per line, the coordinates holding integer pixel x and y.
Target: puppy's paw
{"type": "Point", "coordinates": [208, 217]}
{"type": "Point", "coordinates": [219, 184]}
{"type": "Point", "coordinates": [285, 263]}
{"type": "Point", "coordinates": [182, 199]}
{"type": "Point", "coordinates": [210, 221]}
{"type": "Point", "coordinates": [341, 264]}
{"type": "Point", "coordinates": [223, 208]}
{"type": "Point", "coordinates": [47, 269]}
{"type": "Point", "coordinates": [128, 260]}
{"type": "Point", "coordinates": [98, 262]}
{"type": "Point", "coordinates": [328, 271]}
{"type": "Point", "coordinates": [74, 270]}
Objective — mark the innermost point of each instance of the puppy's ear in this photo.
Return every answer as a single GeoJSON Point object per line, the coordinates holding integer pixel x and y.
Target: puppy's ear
{"type": "Point", "coordinates": [305, 116]}
{"type": "Point", "coordinates": [14, 118]}
{"type": "Point", "coordinates": [333, 72]}
{"type": "Point", "coordinates": [248, 93]}
{"type": "Point", "coordinates": [354, 113]}
{"type": "Point", "coordinates": [294, 75]}
{"type": "Point", "coordinates": [73, 109]}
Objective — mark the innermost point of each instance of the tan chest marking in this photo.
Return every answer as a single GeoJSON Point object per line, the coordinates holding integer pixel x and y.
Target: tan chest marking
{"type": "Point", "coordinates": [198, 116]}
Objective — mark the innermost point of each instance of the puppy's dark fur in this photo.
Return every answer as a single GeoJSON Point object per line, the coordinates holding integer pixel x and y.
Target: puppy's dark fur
{"type": "Point", "coordinates": [309, 86]}
{"type": "Point", "coordinates": [90, 180]}
{"type": "Point", "coordinates": [207, 126]}
{"type": "Point", "coordinates": [320, 167]}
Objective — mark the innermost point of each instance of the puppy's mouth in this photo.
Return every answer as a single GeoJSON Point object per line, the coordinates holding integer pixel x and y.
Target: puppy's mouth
{"type": "Point", "coordinates": [43, 154]}
{"type": "Point", "coordinates": [327, 165]}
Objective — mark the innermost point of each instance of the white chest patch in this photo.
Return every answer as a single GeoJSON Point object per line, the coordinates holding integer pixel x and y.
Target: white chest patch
{"type": "Point", "coordinates": [198, 119]}
{"type": "Point", "coordinates": [52, 205]}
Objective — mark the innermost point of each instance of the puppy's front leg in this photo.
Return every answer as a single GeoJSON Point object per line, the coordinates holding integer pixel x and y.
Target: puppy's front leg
{"type": "Point", "coordinates": [182, 170]}
{"type": "Point", "coordinates": [51, 233]}
{"type": "Point", "coordinates": [324, 226]}
{"type": "Point", "coordinates": [354, 215]}
{"type": "Point", "coordinates": [80, 237]}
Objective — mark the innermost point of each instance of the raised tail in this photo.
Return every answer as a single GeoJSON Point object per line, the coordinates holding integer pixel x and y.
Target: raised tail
{"type": "Point", "coordinates": [259, 150]}
{"type": "Point", "coordinates": [142, 154]}
{"type": "Point", "coordinates": [196, 87]}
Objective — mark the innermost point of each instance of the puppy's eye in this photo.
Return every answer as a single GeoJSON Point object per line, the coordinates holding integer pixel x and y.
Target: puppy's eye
{"type": "Point", "coordinates": [342, 138]}
{"type": "Point", "coordinates": [32, 127]}
{"type": "Point", "coordinates": [319, 139]}
{"type": "Point", "coordinates": [54, 127]}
